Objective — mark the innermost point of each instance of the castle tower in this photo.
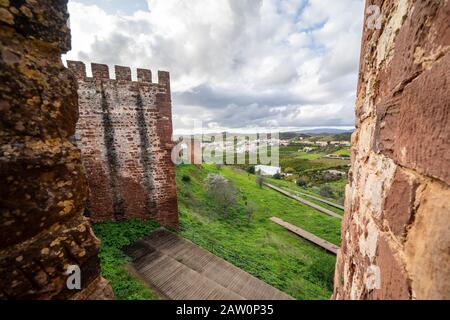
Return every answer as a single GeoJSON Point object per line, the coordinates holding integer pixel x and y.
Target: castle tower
{"type": "Point", "coordinates": [124, 132]}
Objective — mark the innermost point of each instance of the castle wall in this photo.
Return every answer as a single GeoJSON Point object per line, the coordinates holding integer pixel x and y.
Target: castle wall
{"type": "Point", "coordinates": [43, 188]}
{"type": "Point", "coordinates": [125, 135]}
{"type": "Point", "coordinates": [395, 234]}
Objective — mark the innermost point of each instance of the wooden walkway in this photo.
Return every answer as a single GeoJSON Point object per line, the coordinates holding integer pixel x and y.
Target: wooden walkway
{"type": "Point", "coordinates": [308, 203]}
{"type": "Point", "coordinates": [331, 203]}
{"type": "Point", "coordinates": [180, 270]}
{"type": "Point", "coordinates": [306, 235]}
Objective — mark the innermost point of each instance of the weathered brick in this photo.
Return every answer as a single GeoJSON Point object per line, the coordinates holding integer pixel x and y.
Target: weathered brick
{"type": "Point", "coordinates": [43, 188]}
{"type": "Point", "coordinates": [395, 239]}
{"type": "Point", "coordinates": [125, 135]}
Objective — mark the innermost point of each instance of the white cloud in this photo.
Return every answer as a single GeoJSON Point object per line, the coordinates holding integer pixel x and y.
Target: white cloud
{"type": "Point", "coordinates": [286, 63]}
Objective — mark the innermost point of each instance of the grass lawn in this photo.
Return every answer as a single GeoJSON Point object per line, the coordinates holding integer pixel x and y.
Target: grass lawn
{"type": "Point", "coordinates": [302, 162]}
{"type": "Point", "coordinates": [343, 152]}
{"type": "Point", "coordinates": [260, 246]}
{"type": "Point", "coordinates": [114, 236]}
{"type": "Point", "coordinates": [309, 155]}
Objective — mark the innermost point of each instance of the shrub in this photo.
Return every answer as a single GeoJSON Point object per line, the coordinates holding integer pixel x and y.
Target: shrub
{"type": "Point", "coordinates": [277, 176]}
{"type": "Point", "coordinates": [290, 178]}
{"type": "Point", "coordinates": [301, 182]}
{"type": "Point", "coordinates": [222, 190]}
{"type": "Point", "coordinates": [289, 170]}
{"type": "Point", "coordinates": [251, 169]}
{"type": "Point", "coordinates": [326, 191]}
{"type": "Point", "coordinates": [186, 178]}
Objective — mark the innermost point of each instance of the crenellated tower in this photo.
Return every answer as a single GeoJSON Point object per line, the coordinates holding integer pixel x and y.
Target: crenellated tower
{"type": "Point", "coordinates": [125, 134]}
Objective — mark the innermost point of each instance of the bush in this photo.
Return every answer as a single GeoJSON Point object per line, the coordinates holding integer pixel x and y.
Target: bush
{"type": "Point", "coordinates": [301, 182]}
{"type": "Point", "coordinates": [222, 190]}
{"type": "Point", "coordinates": [186, 178]}
{"type": "Point", "coordinates": [277, 176]}
{"type": "Point", "coordinates": [326, 191]}
{"type": "Point", "coordinates": [251, 169]}
{"type": "Point", "coordinates": [290, 178]}
{"type": "Point", "coordinates": [289, 170]}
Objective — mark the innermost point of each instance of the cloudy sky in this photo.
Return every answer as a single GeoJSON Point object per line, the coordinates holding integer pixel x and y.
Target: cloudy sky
{"type": "Point", "coordinates": [235, 64]}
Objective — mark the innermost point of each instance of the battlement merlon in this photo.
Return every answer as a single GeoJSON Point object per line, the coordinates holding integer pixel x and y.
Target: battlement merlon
{"type": "Point", "coordinates": [164, 80]}
{"type": "Point", "coordinates": [78, 69]}
{"type": "Point", "coordinates": [101, 72]}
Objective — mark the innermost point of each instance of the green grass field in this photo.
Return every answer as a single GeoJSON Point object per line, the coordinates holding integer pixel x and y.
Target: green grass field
{"type": "Point", "coordinates": [291, 157]}
{"type": "Point", "coordinates": [343, 152]}
{"type": "Point", "coordinates": [260, 247]}
{"type": "Point", "coordinates": [114, 236]}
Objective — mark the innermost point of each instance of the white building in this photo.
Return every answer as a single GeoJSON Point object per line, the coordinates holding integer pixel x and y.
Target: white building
{"type": "Point", "coordinates": [267, 170]}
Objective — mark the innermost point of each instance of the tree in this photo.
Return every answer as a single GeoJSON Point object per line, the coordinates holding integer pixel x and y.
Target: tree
{"type": "Point", "coordinates": [221, 190]}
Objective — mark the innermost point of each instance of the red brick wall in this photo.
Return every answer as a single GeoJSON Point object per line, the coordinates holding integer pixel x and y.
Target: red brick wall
{"type": "Point", "coordinates": [125, 135]}
{"type": "Point", "coordinates": [395, 233]}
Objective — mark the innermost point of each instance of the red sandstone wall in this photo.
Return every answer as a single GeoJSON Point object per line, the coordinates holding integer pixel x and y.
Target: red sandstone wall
{"type": "Point", "coordinates": [395, 234]}
{"type": "Point", "coordinates": [125, 135]}
{"type": "Point", "coordinates": [42, 183]}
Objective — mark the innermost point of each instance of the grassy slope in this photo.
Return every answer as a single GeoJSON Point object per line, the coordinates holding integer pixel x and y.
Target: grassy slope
{"type": "Point", "coordinates": [114, 236]}
{"type": "Point", "coordinates": [265, 249]}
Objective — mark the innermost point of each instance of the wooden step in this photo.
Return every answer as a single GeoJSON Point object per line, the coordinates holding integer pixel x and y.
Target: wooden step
{"type": "Point", "coordinates": [306, 235]}
{"type": "Point", "coordinates": [175, 280]}
{"type": "Point", "coordinates": [181, 270]}
{"type": "Point", "coordinates": [301, 200]}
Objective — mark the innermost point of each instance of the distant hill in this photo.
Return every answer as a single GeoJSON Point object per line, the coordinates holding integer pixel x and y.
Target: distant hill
{"type": "Point", "coordinates": [323, 131]}
{"type": "Point", "coordinates": [345, 136]}
{"type": "Point", "coordinates": [290, 135]}
{"type": "Point", "coordinates": [313, 134]}
{"type": "Point", "coordinates": [321, 134]}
